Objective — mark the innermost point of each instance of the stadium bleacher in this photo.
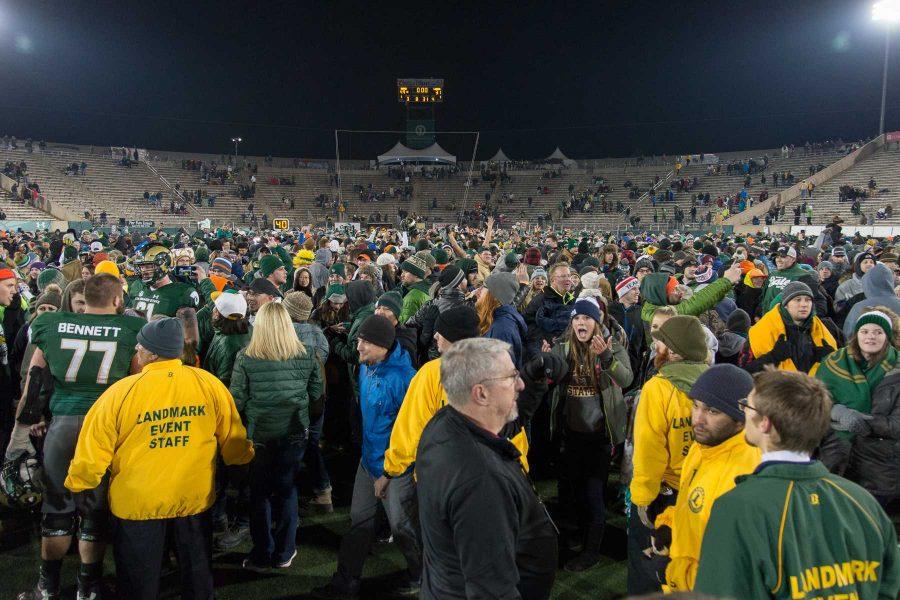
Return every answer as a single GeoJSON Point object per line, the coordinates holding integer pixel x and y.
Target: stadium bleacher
{"type": "Point", "coordinates": [119, 190]}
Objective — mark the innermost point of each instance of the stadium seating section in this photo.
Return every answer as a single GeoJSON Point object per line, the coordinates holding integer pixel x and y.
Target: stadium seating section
{"type": "Point", "coordinates": [119, 190]}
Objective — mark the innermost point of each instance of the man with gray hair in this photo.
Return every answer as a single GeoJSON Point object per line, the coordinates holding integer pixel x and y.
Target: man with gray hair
{"type": "Point", "coordinates": [485, 532]}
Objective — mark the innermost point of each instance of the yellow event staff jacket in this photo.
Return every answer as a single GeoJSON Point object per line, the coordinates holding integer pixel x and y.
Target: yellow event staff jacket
{"type": "Point", "coordinates": [662, 433]}
{"type": "Point", "coordinates": [707, 473]}
{"type": "Point", "coordinates": [158, 433]}
{"type": "Point", "coordinates": [424, 397]}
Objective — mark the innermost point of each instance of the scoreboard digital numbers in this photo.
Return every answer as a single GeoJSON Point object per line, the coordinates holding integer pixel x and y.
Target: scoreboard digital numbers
{"type": "Point", "coordinates": [420, 91]}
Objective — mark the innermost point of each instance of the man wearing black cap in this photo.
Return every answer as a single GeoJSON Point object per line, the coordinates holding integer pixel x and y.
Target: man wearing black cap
{"type": "Point", "coordinates": [389, 306]}
{"type": "Point", "coordinates": [261, 291]}
{"type": "Point", "coordinates": [452, 287]}
{"type": "Point", "coordinates": [719, 455]}
{"type": "Point", "coordinates": [384, 376]}
{"type": "Point", "coordinates": [161, 430]}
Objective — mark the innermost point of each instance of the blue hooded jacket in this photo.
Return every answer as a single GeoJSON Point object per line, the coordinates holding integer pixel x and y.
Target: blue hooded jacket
{"type": "Point", "coordinates": [510, 327]}
{"type": "Point", "coordinates": [382, 387]}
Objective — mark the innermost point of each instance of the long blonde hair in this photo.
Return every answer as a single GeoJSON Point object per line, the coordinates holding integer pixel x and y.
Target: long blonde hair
{"type": "Point", "coordinates": [485, 307]}
{"type": "Point", "coordinates": [273, 336]}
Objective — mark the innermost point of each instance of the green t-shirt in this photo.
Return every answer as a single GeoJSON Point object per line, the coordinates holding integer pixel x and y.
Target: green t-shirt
{"type": "Point", "coordinates": [165, 300]}
{"type": "Point", "coordinates": [86, 354]}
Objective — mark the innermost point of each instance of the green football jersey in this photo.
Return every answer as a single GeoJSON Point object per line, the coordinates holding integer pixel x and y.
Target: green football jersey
{"type": "Point", "coordinates": [162, 301]}
{"type": "Point", "coordinates": [86, 354]}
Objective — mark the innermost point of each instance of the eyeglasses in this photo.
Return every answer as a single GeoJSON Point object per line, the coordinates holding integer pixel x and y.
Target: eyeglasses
{"type": "Point", "coordinates": [744, 406]}
{"type": "Point", "coordinates": [515, 374]}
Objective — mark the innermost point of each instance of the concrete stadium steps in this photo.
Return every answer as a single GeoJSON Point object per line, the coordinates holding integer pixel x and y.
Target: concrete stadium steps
{"type": "Point", "coordinates": [16, 210]}
{"type": "Point", "coordinates": [724, 184]}
{"type": "Point", "coordinates": [884, 166]}
{"type": "Point", "coordinates": [228, 206]}
{"type": "Point", "coordinates": [105, 185]}
{"type": "Point", "coordinates": [525, 184]}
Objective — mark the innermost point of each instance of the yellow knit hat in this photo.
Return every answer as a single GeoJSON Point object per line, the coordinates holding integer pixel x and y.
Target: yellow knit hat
{"type": "Point", "coordinates": [107, 266]}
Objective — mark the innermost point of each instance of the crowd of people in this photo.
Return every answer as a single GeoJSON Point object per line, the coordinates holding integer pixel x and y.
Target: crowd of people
{"type": "Point", "coordinates": [737, 396]}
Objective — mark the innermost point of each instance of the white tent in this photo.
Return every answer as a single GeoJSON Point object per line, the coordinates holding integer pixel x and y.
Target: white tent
{"type": "Point", "coordinates": [559, 157]}
{"type": "Point", "coordinates": [403, 154]}
{"type": "Point", "coordinates": [500, 157]}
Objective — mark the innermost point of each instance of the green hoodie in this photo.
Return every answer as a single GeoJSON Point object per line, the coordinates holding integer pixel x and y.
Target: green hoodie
{"type": "Point", "coordinates": [653, 289]}
{"type": "Point", "coordinates": [776, 282]}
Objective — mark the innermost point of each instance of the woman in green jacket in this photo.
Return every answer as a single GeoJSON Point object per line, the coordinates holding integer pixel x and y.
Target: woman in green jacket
{"type": "Point", "coordinates": [273, 380]}
{"type": "Point", "coordinates": [588, 408]}
{"type": "Point", "coordinates": [229, 320]}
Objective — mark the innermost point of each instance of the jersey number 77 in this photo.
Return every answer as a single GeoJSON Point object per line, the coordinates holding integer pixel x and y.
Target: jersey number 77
{"type": "Point", "coordinates": [81, 348]}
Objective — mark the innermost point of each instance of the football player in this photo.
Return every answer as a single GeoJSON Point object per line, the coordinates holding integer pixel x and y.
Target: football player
{"type": "Point", "coordinates": [155, 293]}
{"type": "Point", "coordinates": [83, 354]}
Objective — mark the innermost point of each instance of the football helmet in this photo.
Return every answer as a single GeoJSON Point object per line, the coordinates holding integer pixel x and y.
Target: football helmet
{"type": "Point", "coordinates": [160, 258]}
{"type": "Point", "coordinates": [20, 482]}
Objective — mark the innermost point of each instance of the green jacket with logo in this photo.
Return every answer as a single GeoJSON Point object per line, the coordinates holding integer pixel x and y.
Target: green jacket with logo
{"type": "Point", "coordinates": [776, 282]}
{"type": "Point", "coordinates": [796, 531]}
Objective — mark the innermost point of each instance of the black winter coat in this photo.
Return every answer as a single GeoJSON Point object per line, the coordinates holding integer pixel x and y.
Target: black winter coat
{"type": "Point", "coordinates": [485, 532]}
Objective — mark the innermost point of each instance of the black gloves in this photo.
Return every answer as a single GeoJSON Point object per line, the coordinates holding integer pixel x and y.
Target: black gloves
{"type": "Point", "coordinates": [781, 351]}
{"type": "Point", "coordinates": [545, 366]}
{"type": "Point", "coordinates": [823, 351]}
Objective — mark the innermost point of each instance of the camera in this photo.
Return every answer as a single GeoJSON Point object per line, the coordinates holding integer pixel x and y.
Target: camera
{"type": "Point", "coordinates": [185, 271]}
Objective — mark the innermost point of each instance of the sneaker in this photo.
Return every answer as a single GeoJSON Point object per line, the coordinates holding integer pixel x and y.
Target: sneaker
{"type": "Point", "coordinates": [220, 526]}
{"type": "Point", "coordinates": [286, 564]}
{"type": "Point", "coordinates": [233, 538]}
{"type": "Point", "coordinates": [330, 591]}
{"type": "Point", "coordinates": [322, 502]}
{"type": "Point", "coordinates": [39, 593]}
{"type": "Point", "coordinates": [90, 592]}
{"type": "Point", "coordinates": [407, 589]}
{"type": "Point", "coordinates": [252, 566]}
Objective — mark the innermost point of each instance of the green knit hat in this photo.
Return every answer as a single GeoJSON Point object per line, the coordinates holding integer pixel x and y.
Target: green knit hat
{"type": "Point", "coordinates": [392, 301]}
{"type": "Point", "coordinates": [336, 292]}
{"type": "Point", "coordinates": [416, 265]}
{"type": "Point", "coordinates": [49, 276]}
{"type": "Point", "coordinates": [467, 265]}
{"type": "Point", "coordinates": [428, 259]}
{"type": "Point", "coordinates": [268, 264]}
{"type": "Point", "coordinates": [875, 317]}
{"type": "Point", "coordinates": [70, 253]}
{"type": "Point", "coordinates": [201, 254]}
{"type": "Point", "coordinates": [440, 256]}
{"type": "Point", "coordinates": [684, 336]}
{"type": "Point", "coordinates": [339, 268]}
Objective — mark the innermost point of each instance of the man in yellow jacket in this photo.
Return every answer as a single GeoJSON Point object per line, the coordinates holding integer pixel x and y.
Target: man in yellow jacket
{"type": "Point", "coordinates": [662, 439]}
{"type": "Point", "coordinates": [790, 336]}
{"type": "Point", "coordinates": [157, 432]}
{"type": "Point", "coordinates": [720, 454]}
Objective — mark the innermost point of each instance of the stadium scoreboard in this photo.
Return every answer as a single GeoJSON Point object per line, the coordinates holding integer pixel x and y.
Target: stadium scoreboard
{"type": "Point", "coordinates": [420, 91]}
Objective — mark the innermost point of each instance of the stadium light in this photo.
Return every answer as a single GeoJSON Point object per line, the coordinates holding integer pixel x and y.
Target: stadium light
{"type": "Point", "coordinates": [236, 141]}
{"type": "Point", "coordinates": [888, 12]}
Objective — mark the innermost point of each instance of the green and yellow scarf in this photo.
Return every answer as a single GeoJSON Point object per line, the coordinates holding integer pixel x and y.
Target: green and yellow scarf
{"type": "Point", "coordinates": [850, 383]}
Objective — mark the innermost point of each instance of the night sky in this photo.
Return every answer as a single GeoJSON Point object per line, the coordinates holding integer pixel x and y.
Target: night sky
{"type": "Point", "coordinates": [598, 79]}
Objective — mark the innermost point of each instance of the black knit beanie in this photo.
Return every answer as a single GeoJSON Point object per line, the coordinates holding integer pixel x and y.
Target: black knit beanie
{"type": "Point", "coordinates": [377, 330]}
